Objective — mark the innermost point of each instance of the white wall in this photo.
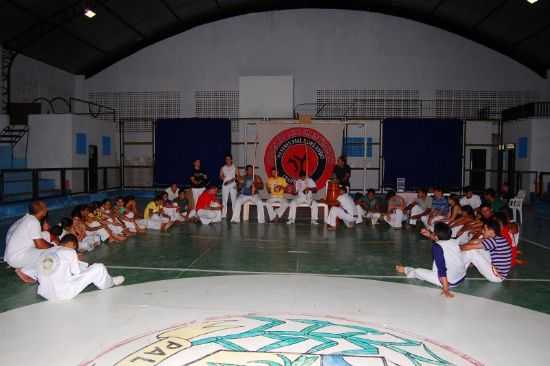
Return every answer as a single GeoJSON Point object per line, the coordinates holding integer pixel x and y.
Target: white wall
{"type": "Point", "coordinates": [481, 133]}
{"type": "Point", "coordinates": [320, 49]}
{"type": "Point", "coordinates": [31, 79]}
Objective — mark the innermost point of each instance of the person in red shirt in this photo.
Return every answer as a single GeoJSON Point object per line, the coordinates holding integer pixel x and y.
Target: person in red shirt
{"type": "Point", "coordinates": [209, 209]}
{"type": "Point", "coordinates": [508, 230]}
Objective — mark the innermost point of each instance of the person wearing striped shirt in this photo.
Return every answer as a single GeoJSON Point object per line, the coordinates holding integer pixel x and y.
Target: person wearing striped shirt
{"type": "Point", "coordinates": [448, 268]}
{"type": "Point", "coordinates": [491, 255]}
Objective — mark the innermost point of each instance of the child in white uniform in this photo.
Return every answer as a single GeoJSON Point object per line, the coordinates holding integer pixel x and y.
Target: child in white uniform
{"type": "Point", "coordinates": [250, 186]}
{"type": "Point", "coordinates": [448, 268]}
{"type": "Point", "coordinates": [305, 187]}
{"type": "Point", "coordinates": [229, 174]}
{"type": "Point", "coordinates": [62, 277]}
{"type": "Point", "coordinates": [347, 211]}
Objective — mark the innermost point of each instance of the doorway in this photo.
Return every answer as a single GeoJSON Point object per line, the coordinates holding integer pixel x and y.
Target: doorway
{"type": "Point", "coordinates": [478, 164]}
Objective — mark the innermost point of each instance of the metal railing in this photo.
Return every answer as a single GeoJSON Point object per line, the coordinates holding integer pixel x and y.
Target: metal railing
{"type": "Point", "coordinates": [25, 184]}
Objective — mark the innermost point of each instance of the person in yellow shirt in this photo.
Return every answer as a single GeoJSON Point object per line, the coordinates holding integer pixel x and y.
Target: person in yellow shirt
{"type": "Point", "coordinates": [276, 186]}
{"type": "Point", "coordinates": [155, 217]}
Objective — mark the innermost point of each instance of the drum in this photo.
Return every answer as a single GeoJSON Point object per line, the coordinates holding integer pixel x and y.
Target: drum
{"type": "Point", "coordinates": [333, 191]}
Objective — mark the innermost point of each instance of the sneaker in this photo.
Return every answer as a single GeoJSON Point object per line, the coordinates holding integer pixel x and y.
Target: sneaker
{"type": "Point", "coordinates": [118, 280]}
{"type": "Point", "coordinates": [314, 222]}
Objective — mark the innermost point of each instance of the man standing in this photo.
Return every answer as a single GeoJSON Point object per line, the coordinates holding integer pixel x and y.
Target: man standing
{"type": "Point", "coordinates": [305, 187]}
{"type": "Point", "coordinates": [276, 187]}
{"type": "Point", "coordinates": [342, 172]}
{"type": "Point", "coordinates": [24, 242]}
{"type": "Point", "coordinates": [229, 174]}
{"type": "Point", "coordinates": [249, 187]}
{"type": "Point", "coordinates": [208, 207]}
{"type": "Point", "coordinates": [346, 211]}
{"type": "Point", "coordinates": [199, 181]}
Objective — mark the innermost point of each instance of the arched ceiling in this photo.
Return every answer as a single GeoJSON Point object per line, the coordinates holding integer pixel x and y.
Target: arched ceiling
{"type": "Point", "coordinates": [57, 32]}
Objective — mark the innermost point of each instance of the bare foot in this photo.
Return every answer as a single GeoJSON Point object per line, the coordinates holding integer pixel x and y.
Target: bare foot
{"type": "Point", "coordinates": [23, 277]}
{"type": "Point", "coordinates": [447, 294]}
{"type": "Point", "coordinates": [400, 269]}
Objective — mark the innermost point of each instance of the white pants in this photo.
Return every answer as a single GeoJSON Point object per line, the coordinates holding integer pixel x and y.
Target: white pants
{"type": "Point", "coordinates": [428, 275]}
{"type": "Point", "coordinates": [241, 200]}
{"type": "Point", "coordinates": [89, 242]}
{"type": "Point", "coordinates": [296, 202]}
{"type": "Point", "coordinates": [340, 213]}
{"type": "Point", "coordinates": [209, 216]}
{"type": "Point", "coordinates": [155, 222]}
{"type": "Point", "coordinates": [96, 274]}
{"type": "Point", "coordinates": [416, 210]}
{"type": "Point", "coordinates": [28, 258]}
{"type": "Point", "coordinates": [228, 191]}
{"type": "Point", "coordinates": [395, 219]}
{"type": "Point", "coordinates": [481, 259]}
{"type": "Point", "coordinates": [115, 229]}
{"type": "Point", "coordinates": [373, 217]}
{"type": "Point", "coordinates": [283, 205]}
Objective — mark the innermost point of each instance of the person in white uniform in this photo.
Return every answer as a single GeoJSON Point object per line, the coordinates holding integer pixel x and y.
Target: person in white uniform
{"type": "Point", "coordinates": [305, 187]}
{"type": "Point", "coordinates": [420, 207]}
{"type": "Point", "coordinates": [346, 211]}
{"type": "Point", "coordinates": [251, 184]}
{"type": "Point", "coordinates": [24, 242]}
{"type": "Point", "coordinates": [470, 199]}
{"type": "Point", "coordinates": [229, 175]}
{"type": "Point", "coordinates": [199, 181]}
{"type": "Point", "coordinates": [173, 192]}
{"type": "Point", "coordinates": [448, 268]}
{"type": "Point", "coordinates": [396, 205]}
{"type": "Point", "coordinates": [208, 207]}
{"type": "Point", "coordinates": [276, 186]}
{"type": "Point", "coordinates": [61, 276]}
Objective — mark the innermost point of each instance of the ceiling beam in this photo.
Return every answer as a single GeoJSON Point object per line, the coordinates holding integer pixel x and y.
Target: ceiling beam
{"type": "Point", "coordinates": [437, 6]}
{"type": "Point", "coordinates": [532, 35]}
{"type": "Point", "coordinates": [489, 14]}
{"type": "Point", "coordinates": [46, 26]}
{"type": "Point", "coordinates": [169, 8]}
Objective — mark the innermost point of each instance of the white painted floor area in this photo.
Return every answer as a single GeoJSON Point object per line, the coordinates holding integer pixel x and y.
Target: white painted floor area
{"type": "Point", "coordinates": [104, 327]}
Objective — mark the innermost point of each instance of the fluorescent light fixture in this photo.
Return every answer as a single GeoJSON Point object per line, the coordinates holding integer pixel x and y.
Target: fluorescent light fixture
{"type": "Point", "coordinates": [532, 1]}
{"type": "Point", "coordinates": [89, 13]}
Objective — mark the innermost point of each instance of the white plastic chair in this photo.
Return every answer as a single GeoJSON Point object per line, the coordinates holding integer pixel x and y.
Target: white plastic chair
{"type": "Point", "coordinates": [516, 205]}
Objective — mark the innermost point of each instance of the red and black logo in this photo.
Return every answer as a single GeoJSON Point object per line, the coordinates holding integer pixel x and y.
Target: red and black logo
{"type": "Point", "coordinates": [300, 149]}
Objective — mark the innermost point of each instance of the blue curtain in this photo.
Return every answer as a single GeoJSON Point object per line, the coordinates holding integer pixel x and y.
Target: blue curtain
{"type": "Point", "coordinates": [426, 152]}
{"type": "Point", "coordinates": [180, 141]}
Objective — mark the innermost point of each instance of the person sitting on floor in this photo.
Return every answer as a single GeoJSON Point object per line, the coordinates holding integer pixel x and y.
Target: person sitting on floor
{"type": "Point", "coordinates": [439, 211]}
{"type": "Point", "coordinates": [396, 204]}
{"type": "Point", "coordinates": [209, 209]}
{"type": "Point", "coordinates": [95, 226]}
{"type": "Point", "coordinates": [133, 216]}
{"type": "Point", "coordinates": [24, 242]}
{"type": "Point", "coordinates": [86, 241]}
{"type": "Point", "coordinates": [420, 207]}
{"type": "Point", "coordinates": [466, 227]}
{"type": "Point", "coordinates": [61, 276]}
{"type": "Point", "coordinates": [276, 186]}
{"type": "Point", "coordinates": [486, 212]}
{"type": "Point", "coordinates": [455, 210]}
{"type": "Point", "coordinates": [373, 207]}
{"type": "Point", "coordinates": [172, 209]}
{"type": "Point", "coordinates": [470, 199]}
{"type": "Point", "coordinates": [110, 218]}
{"type": "Point", "coordinates": [155, 217]}
{"type": "Point", "coordinates": [345, 211]}
{"type": "Point", "coordinates": [127, 217]}
{"type": "Point", "coordinates": [509, 230]}
{"type": "Point", "coordinates": [172, 192]}
{"type": "Point", "coordinates": [250, 185]}
{"type": "Point", "coordinates": [304, 188]}
{"type": "Point", "coordinates": [491, 254]}
{"type": "Point", "coordinates": [448, 268]}
{"type": "Point", "coordinates": [491, 198]}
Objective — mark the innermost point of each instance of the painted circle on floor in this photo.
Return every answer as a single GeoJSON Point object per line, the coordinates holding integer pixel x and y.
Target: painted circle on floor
{"type": "Point", "coordinates": [270, 340]}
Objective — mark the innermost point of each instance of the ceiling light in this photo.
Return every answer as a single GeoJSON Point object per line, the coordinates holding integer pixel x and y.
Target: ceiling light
{"type": "Point", "coordinates": [532, 1]}
{"type": "Point", "coordinates": [90, 13]}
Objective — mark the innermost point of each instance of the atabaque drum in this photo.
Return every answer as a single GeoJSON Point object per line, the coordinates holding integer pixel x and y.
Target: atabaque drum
{"type": "Point", "coordinates": [333, 191]}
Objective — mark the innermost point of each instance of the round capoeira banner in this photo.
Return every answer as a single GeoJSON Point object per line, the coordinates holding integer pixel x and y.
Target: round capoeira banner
{"type": "Point", "coordinates": [298, 149]}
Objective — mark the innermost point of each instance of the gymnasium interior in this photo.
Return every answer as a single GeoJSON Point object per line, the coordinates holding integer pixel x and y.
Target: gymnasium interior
{"type": "Point", "coordinates": [116, 100]}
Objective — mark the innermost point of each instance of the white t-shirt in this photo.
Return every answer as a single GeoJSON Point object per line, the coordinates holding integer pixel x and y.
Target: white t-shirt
{"type": "Point", "coordinates": [56, 268]}
{"type": "Point", "coordinates": [229, 172]}
{"type": "Point", "coordinates": [347, 203]}
{"type": "Point", "coordinates": [301, 185]}
{"type": "Point", "coordinates": [172, 196]}
{"type": "Point", "coordinates": [20, 239]}
{"type": "Point", "coordinates": [474, 201]}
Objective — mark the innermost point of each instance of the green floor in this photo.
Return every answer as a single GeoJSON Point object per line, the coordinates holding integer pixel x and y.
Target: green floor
{"type": "Point", "coordinates": [191, 250]}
